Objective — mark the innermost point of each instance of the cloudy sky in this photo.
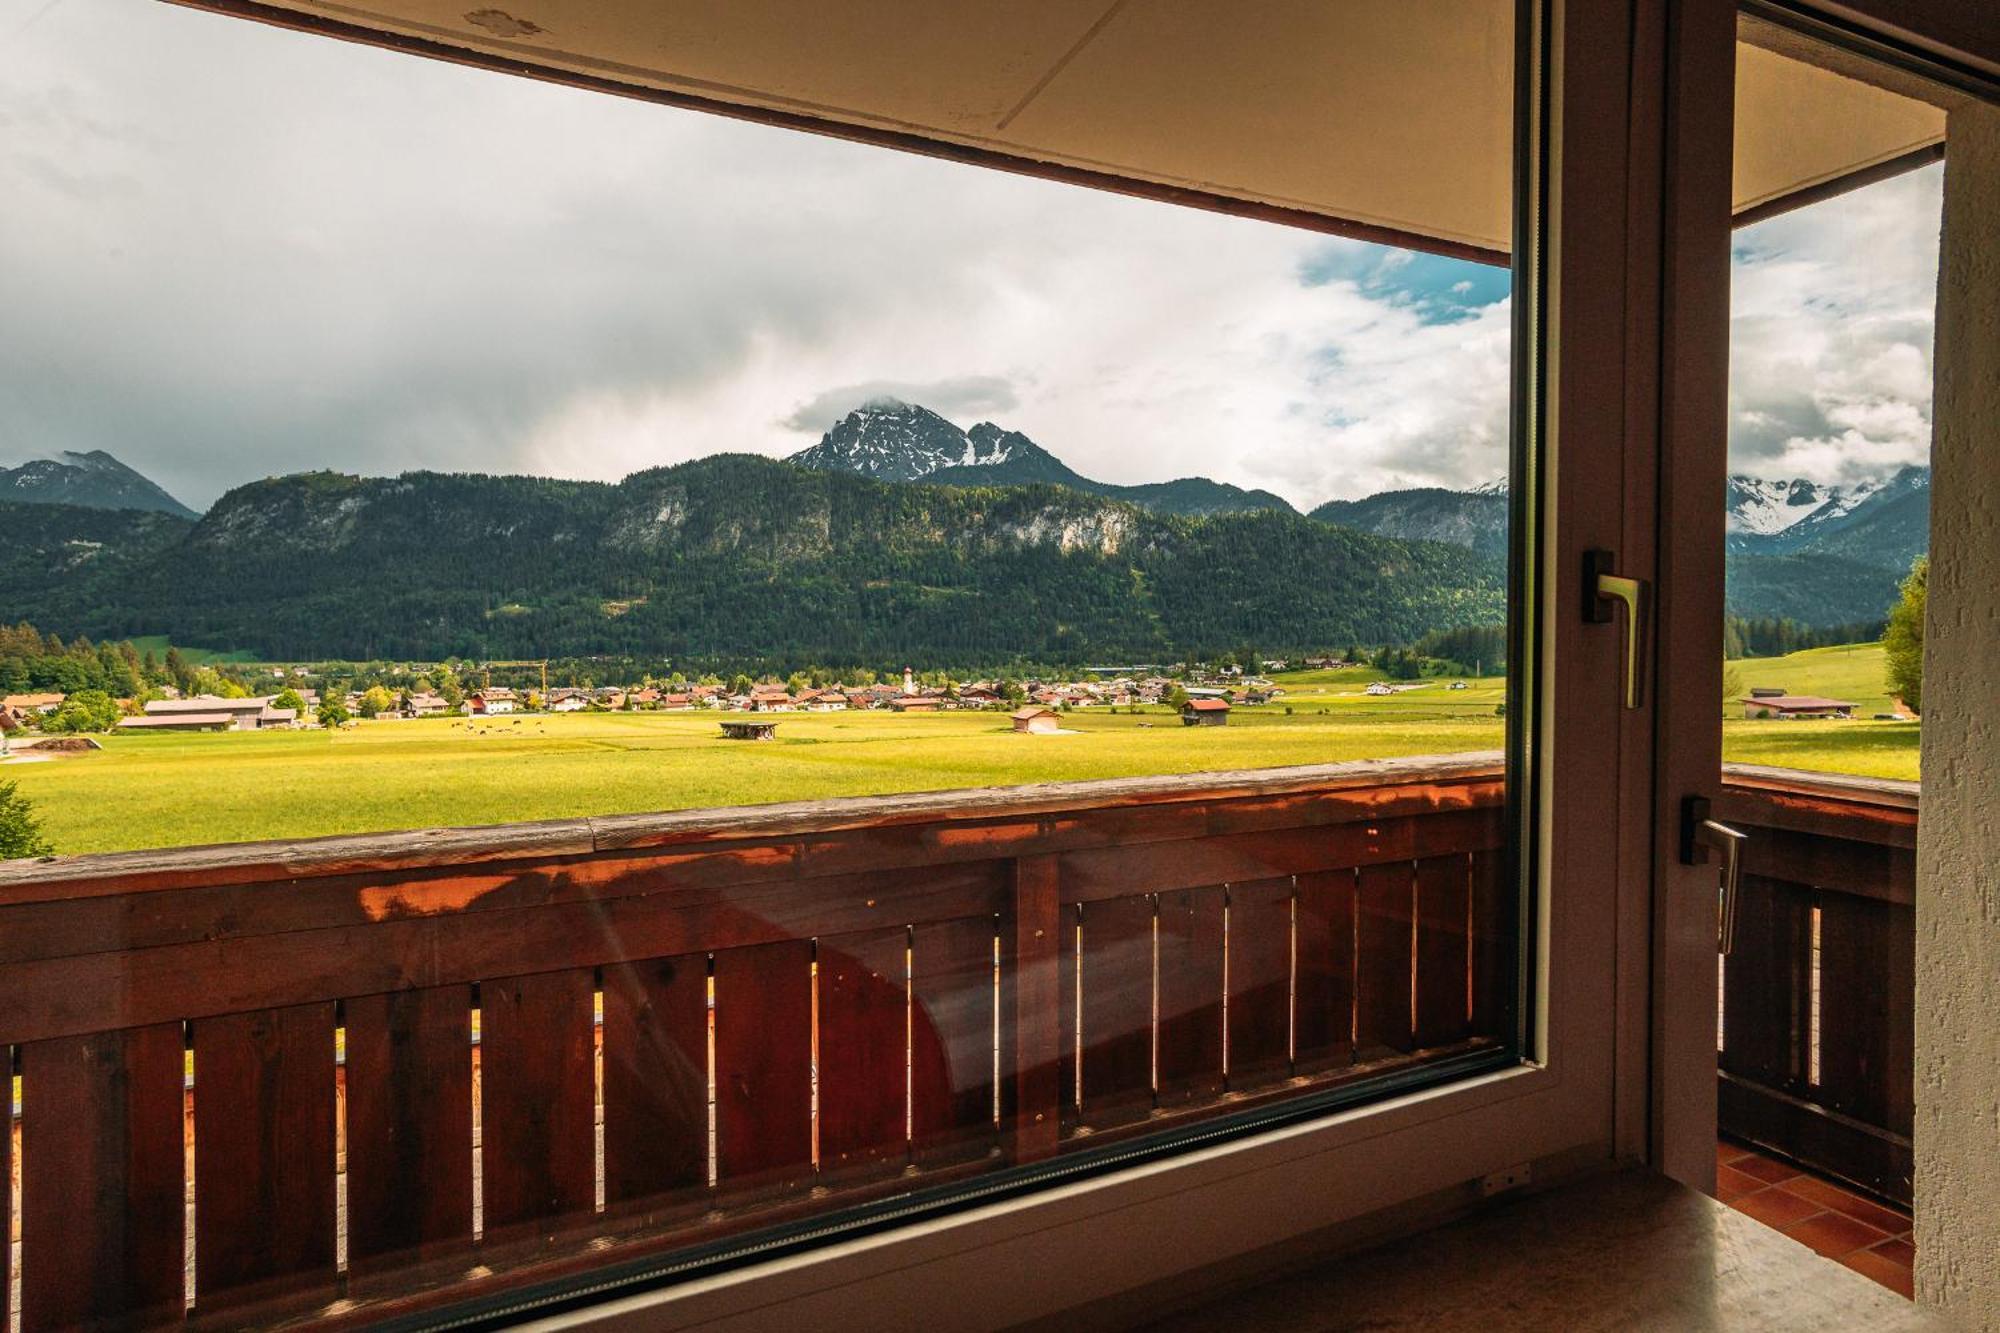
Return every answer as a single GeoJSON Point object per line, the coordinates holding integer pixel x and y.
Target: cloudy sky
{"type": "Point", "coordinates": [229, 252]}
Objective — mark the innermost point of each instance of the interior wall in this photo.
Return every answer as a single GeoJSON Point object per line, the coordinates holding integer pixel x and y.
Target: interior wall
{"type": "Point", "coordinates": [1958, 842]}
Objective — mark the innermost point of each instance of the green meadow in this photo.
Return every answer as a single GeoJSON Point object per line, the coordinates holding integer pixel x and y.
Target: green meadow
{"type": "Point", "coordinates": [175, 790]}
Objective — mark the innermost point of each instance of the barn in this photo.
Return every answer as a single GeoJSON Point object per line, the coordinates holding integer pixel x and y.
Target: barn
{"type": "Point", "coordinates": [1035, 720]}
{"type": "Point", "coordinates": [1205, 713]}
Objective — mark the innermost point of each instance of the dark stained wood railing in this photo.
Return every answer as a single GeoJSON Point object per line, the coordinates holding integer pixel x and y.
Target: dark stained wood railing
{"type": "Point", "coordinates": [402, 1089]}
{"type": "Point", "coordinates": [1817, 1031]}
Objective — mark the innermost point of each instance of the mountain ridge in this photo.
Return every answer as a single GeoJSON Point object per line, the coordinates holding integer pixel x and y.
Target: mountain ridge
{"type": "Point", "coordinates": [1816, 554]}
{"type": "Point", "coordinates": [741, 556]}
{"type": "Point", "coordinates": [91, 480]}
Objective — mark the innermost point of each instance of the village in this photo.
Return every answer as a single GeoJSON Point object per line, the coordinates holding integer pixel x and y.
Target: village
{"type": "Point", "coordinates": [1201, 697]}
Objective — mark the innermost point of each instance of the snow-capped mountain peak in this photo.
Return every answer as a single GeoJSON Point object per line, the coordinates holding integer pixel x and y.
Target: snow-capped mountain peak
{"type": "Point", "coordinates": [93, 480]}
{"type": "Point", "coordinates": [1765, 507]}
{"type": "Point", "coordinates": [889, 440]}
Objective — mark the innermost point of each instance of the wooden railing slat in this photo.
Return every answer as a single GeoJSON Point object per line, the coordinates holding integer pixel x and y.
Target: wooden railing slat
{"type": "Point", "coordinates": [1260, 982]}
{"type": "Point", "coordinates": [1495, 944]}
{"type": "Point", "coordinates": [1191, 989]}
{"type": "Point", "coordinates": [864, 1028]}
{"type": "Point", "coordinates": [409, 1125]}
{"type": "Point", "coordinates": [1443, 949]}
{"type": "Point", "coordinates": [1326, 970]}
{"type": "Point", "coordinates": [102, 1195]}
{"type": "Point", "coordinates": [952, 1041]}
{"type": "Point", "coordinates": [1117, 1010]}
{"type": "Point", "coordinates": [1765, 984]}
{"type": "Point", "coordinates": [1384, 908]}
{"type": "Point", "coordinates": [1867, 1022]}
{"type": "Point", "coordinates": [656, 1082]}
{"type": "Point", "coordinates": [264, 1154]}
{"type": "Point", "coordinates": [763, 1066]}
{"type": "Point", "coordinates": [538, 1094]}
{"type": "Point", "coordinates": [1037, 1011]}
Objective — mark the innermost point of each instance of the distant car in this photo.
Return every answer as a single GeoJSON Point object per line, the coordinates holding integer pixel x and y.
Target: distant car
{"type": "Point", "coordinates": [1378, 688]}
{"type": "Point", "coordinates": [1460, 685]}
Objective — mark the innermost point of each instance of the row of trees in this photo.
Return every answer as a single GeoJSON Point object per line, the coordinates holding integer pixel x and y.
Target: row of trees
{"type": "Point", "coordinates": [1781, 636]}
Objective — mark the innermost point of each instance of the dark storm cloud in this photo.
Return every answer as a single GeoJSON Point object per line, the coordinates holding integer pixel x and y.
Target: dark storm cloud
{"type": "Point", "coordinates": [230, 251]}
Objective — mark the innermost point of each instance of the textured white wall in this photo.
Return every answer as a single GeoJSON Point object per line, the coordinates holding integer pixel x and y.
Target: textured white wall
{"type": "Point", "coordinates": [1958, 839]}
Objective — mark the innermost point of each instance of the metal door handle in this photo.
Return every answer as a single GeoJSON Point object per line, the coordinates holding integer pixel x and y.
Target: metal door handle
{"type": "Point", "coordinates": [1701, 834]}
{"type": "Point", "coordinates": [1602, 592]}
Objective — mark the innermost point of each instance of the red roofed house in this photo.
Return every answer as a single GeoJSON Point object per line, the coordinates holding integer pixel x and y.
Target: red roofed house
{"type": "Point", "coordinates": [1205, 713]}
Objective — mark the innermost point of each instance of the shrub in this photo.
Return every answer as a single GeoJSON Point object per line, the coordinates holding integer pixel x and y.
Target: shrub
{"type": "Point", "coordinates": [20, 831]}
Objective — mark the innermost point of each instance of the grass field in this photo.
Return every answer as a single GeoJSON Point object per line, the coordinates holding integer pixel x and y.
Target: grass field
{"type": "Point", "coordinates": [158, 644]}
{"type": "Point", "coordinates": [175, 790]}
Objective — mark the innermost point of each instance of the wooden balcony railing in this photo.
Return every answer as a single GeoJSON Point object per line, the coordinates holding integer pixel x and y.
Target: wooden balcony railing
{"type": "Point", "coordinates": [351, 1076]}
{"type": "Point", "coordinates": [1817, 1037]}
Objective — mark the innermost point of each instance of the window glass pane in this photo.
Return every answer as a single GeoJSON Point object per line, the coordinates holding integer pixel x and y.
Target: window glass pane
{"type": "Point", "coordinates": [607, 679]}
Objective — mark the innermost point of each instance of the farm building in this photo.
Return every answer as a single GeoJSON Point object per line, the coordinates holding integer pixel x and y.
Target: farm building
{"type": "Point", "coordinates": [916, 703]}
{"type": "Point", "coordinates": [178, 721]}
{"type": "Point", "coordinates": [743, 729]}
{"type": "Point", "coordinates": [1205, 713]}
{"type": "Point", "coordinates": [1795, 706]}
{"type": "Point", "coordinates": [255, 714]}
{"type": "Point", "coordinates": [23, 704]}
{"type": "Point", "coordinates": [1037, 721]}
{"type": "Point", "coordinates": [488, 702]}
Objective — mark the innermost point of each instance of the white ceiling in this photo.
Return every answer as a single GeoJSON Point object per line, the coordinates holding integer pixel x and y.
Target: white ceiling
{"type": "Point", "coordinates": [1391, 114]}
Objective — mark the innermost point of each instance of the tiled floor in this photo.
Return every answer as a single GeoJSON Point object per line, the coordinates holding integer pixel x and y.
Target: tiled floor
{"type": "Point", "coordinates": [1868, 1237]}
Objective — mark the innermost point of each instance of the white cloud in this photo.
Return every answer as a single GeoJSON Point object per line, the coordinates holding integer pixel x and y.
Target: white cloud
{"type": "Point", "coordinates": [244, 251]}
{"type": "Point", "coordinates": [238, 251]}
{"type": "Point", "coordinates": [1830, 335]}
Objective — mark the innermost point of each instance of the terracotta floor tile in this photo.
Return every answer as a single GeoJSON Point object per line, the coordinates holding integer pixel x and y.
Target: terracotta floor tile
{"type": "Point", "coordinates": [1829, 1195]}
{"type": "Point", "coordinates": [1834, 1234]}
{"type": "Point", "coordinates": [1767, 1169]}
{"type": "Point", "coordinates": [1898, 1250]}
{"type": "Point", "coordinates": [1775, 1208]}
{"type": "Point", "coordinates": [1890, 1274]}
{"type": "Point", "coordinates": [1727, 1152]}
{"type": "Point", "coordinates": [1731, 1184]}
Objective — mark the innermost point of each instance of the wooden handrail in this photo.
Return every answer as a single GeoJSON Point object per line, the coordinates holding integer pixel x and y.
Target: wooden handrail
{"type": "Point", "coordinates": [349, 854]}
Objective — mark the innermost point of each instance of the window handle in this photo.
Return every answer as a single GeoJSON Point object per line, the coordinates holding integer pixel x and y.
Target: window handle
{"type": "Point", "coordinates": [1700, 835]}
{"type": "Point", "coordinates": [1603, 592]}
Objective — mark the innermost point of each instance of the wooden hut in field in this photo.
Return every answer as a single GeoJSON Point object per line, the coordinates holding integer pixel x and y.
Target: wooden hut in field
{"type": "Point", "coordinates": [1035, 720]}
{"type": "Point", "coordinates": [1205, 713]}
{"type": "Point", "coordinates": [748, 729]}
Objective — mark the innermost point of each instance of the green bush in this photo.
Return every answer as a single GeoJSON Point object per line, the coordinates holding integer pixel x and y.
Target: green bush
{"type": "Point", "coordinates": [20, 831]}
{"type": "Point", "coordinates": [86, 710]}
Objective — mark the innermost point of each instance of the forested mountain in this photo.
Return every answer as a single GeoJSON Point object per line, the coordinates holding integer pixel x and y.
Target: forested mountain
{"type": "Point", "coordinates": [892, 440]}
{"type": "Point", "coordinates": [94, 480]}
{"type": "Point", "coordinates": [738, 556]}
{"type": "Point", "coordinates": [69, 556]}
{"type": "Point", "coordinates": [1819, 555]}
{"type": "Point", "coordinates": [1475, 518]}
